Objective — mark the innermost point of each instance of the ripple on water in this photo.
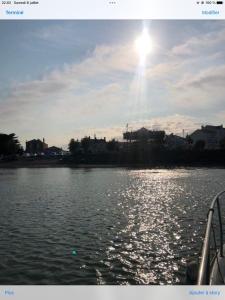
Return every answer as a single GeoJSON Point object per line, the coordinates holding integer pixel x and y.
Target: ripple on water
{"type": "Point", "coordinates": [127, 226]}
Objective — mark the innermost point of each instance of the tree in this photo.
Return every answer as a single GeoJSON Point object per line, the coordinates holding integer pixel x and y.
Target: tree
{"type": "Point", "coordinates": [74, 146]}
{"type": "Point", "coordinates": [222, 143]}
{"type": "Point", "coordinates": [200, 145]}
{"type": "Point", "coordinates": [9, 144]}
{"type": "Point", "coordinates": [112, 145]}
{"type": "Point", "coordinates": [189, 139]}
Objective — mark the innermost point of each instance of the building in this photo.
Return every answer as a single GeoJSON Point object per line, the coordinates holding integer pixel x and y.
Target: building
{"type": "Point", "coordinates": [94, 146]}
{"type": "Point", "coordinates": [173, 141]}
{"type": "Point", "coordinates": [211, 135]}
{"type": "Point", "coordinates": [54, 151]}
{"type": "Point", "coordinates": [144, 134]}
{"type": "Point", "coordinates": [36, 147]}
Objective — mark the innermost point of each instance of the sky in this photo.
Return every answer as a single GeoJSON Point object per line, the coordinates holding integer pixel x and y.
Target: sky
{"type": "Point", "coordinates": [68, 79]}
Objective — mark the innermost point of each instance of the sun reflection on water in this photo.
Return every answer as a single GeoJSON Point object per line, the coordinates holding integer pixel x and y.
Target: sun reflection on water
{"type": "Point", "coordinates": [150, 241]}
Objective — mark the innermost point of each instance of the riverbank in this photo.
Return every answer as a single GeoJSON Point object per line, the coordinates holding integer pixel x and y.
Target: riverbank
{"type": "Point", "coordinates": [51, 163]}
{"type": "Point", "coordinates": [58, 163]}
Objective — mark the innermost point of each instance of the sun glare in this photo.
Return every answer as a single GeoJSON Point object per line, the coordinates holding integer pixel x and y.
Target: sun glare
{"type": "Point", "coordinates": [143, 45]}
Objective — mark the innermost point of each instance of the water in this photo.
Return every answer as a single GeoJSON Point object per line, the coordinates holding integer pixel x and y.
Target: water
{"type": "Point", "coordinates": [102, 226]}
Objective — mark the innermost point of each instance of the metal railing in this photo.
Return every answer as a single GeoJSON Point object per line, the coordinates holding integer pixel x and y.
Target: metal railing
{"type": "Point", "coordinates": [206, 261]}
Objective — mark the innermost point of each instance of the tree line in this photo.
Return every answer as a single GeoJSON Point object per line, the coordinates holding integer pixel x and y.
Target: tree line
{"type": "Point", "coordinates": [145, 152]}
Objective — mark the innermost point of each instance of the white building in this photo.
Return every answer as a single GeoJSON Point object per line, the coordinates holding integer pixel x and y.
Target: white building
{"type": "Point", "coordinates": [211, 135]}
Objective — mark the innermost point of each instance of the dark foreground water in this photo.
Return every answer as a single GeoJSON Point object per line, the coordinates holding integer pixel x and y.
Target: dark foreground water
{"type": "Point", "coordinates": [126, 226]}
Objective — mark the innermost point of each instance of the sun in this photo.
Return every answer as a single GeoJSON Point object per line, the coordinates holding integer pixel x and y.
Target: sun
{"type": "Point", "coordinates": [143, 45]}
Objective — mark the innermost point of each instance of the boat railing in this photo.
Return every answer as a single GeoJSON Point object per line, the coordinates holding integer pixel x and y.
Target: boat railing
{"type": "Point", "coordinates": [207, 257]}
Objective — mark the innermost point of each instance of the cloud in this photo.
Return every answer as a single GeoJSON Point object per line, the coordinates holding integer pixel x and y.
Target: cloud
{"type": "Point", "coordinates": [98, 104]}
{"type": "Point", "coordinates": [200, 44]}
{"type": "Point", "coordinates": [116, 64]}
{"type": "Point", "coordinates": [103, 67]}
{"type": "Point", "coordinates": [162, 70]}
{"type": "Point", "coordinates": [80, 94]}
{"type": "Point", "coordinates": [107, 59]}
{"type": "Point", "coordinates": [210, 78]}
{"type": "Point", "coordinates": [200, 92]}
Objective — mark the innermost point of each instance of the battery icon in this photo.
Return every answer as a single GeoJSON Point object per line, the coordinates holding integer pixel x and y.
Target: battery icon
{"type": "Point", "coordinates": [219, 2]}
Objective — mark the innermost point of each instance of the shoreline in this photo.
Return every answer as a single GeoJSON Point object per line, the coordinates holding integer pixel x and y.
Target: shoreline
{"type": "Point", "coordinates": [62, 164]}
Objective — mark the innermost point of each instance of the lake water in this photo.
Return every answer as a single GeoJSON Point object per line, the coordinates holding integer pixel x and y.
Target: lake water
{"type": "Point", "coordinates": [102, 226]}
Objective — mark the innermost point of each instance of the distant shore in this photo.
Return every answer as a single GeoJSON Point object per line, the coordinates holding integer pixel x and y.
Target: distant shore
{"type": "Point", "coordinates": [56, 163]}
{"type": "Point", "coordinates": [52, 163]}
